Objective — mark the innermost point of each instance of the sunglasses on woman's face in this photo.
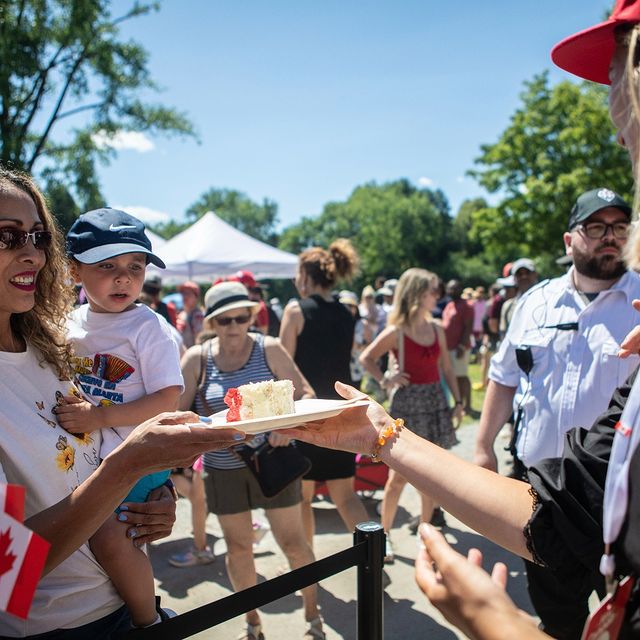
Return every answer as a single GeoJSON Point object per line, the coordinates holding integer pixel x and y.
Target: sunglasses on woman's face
{"type": "Point", "coordinates": [11, 238]}
{"type": "Point", "coordinates": [225, 322]}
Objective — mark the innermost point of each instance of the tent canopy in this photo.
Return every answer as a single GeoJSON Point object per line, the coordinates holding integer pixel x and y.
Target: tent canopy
{"type": "Point", "coordinates": [210, 247]}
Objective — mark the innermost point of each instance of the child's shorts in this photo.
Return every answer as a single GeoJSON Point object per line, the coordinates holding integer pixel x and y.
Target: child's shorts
{"type": "Point", "coordinates": [141, 489]}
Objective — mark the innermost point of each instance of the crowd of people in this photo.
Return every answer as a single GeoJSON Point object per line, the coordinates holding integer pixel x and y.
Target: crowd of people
{"type": "Point", "coordinates": [91, 426]}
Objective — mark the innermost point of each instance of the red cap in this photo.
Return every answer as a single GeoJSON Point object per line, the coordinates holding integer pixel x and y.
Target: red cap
{"type": "Point", "coordinates": [588, 53]}
{"type": "Point", "coordinates": [506, 270]}
{"type": "Point", "coordinates": [189, 285]}
{"type": "Point", "coordinates": [246, 278]}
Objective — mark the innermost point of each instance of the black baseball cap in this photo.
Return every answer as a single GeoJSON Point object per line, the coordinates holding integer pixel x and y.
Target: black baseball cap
{"type": "Point", "coordinates": [593, 201]}
{"type": "Point", "coordinates": [104, 233]}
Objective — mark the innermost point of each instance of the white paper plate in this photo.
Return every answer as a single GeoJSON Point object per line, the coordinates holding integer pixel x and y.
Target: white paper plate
{"type": "Point", "coordinates": [306, 411]}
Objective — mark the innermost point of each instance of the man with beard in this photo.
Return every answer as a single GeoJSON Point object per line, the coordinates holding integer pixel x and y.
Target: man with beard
{"type": "Point", "coordinates": [557, 367]}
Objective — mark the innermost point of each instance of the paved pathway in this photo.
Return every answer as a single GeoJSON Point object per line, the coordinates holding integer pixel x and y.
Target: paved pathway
{"type": "Point", "coordinates": [407, 614]}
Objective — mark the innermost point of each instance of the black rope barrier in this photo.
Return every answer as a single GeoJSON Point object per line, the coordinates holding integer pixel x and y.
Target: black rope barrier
{"type": "Point", "coordinates": [367, 554]}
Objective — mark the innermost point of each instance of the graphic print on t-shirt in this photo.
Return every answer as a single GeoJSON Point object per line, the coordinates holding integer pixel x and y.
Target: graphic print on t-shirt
{"type": "Point", "coordinates": [99, 376]}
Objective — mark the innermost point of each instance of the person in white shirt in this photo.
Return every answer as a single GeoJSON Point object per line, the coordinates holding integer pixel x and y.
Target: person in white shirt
{"type": "Point", "coordinates": [558, 366]}
{"type": "Point", "coordinates": [127, 365]}
{"type": "Point", "coordinates": [69, 492]}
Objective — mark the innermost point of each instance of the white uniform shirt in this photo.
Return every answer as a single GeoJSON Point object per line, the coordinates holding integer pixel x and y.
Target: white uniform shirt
{"type": "Point", "coordinates": [575, 371]}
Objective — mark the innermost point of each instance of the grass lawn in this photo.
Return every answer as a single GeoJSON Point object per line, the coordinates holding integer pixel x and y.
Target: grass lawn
{"type": "Point", "coordinates": [477, 397]}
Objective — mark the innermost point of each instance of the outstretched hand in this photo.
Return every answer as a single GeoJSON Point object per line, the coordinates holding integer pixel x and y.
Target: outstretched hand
{"type": "Point", "coordinates": [631, 344]}
{"type": "Point", "coordinates": [466, 594]}
{"type": "Point", "coordinates": [354, 429]}
{"type": "Point", "coordinates": [173, 439]}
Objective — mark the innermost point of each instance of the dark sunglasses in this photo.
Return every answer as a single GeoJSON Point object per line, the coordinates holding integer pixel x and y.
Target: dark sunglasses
{"type": "Point", "coordinates": [225, 322]}
{"type": "Point", "coordinates": [11, 238]}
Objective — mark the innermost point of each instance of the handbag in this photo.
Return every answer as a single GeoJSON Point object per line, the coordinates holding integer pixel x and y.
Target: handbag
{"type": "Point", "coordinates": [274, 468]}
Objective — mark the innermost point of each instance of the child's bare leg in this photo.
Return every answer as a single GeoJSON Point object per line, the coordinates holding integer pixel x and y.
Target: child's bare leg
{"type": "Point", "coordinates": [129, 570]}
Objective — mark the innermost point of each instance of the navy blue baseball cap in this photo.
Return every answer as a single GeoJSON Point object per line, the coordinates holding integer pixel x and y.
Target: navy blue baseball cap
{"type": "Point", "coordinates": [105, 233]}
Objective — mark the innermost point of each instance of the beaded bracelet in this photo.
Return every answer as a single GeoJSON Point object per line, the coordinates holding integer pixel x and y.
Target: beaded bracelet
{"type": "Point", "coordinates": [386, 434]}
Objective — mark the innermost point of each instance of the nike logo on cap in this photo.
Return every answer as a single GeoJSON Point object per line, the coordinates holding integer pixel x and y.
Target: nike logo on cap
{"type": "Point", "coordinates": [113, 227]}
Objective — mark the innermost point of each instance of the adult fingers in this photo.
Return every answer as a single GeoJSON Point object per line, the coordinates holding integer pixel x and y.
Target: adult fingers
{"type": "Point", "coordinates": [437, 547]}
{"type": "Point", "coordinates": [427, 576]}
{"type": "Point", "coordinates": [347, 391]}
{"type": "Point", "coordinates": [499, 574]}
{"type": "Point", "coordinates": [474, 556]}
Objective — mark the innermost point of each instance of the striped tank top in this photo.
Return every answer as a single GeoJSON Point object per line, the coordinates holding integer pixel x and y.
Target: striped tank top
{"type": "Point", "coordinates": [216, 385]}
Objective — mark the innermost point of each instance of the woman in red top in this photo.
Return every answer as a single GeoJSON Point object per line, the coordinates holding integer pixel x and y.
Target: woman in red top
{"type": "Point", "coordinates": [418, 397]}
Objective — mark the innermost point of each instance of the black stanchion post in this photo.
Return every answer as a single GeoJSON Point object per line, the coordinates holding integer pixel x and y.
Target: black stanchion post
{"type": "Point", "coordinates": [370, 621]}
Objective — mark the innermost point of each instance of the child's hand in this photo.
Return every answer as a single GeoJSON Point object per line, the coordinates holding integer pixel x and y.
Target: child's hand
{"type": "Point", "coordinates": [78, 416]}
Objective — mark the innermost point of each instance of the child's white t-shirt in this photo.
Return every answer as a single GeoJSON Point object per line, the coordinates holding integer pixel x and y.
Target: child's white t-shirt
{"type": "Point", "coordinates": [120, 357]}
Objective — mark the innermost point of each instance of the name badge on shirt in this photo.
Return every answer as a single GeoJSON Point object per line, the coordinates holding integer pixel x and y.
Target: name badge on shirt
{"type": "Point", "coordinates": [606, 621]}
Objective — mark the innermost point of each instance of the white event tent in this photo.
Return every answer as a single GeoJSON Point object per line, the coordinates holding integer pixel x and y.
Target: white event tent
{"type": "Point", "coordinates": [156, 240]}
{"type": "Point", "coordinates": [210, 247]}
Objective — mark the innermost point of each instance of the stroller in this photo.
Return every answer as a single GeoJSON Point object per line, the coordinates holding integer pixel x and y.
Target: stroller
{"type": "Point", "coordinates": [370, 477]}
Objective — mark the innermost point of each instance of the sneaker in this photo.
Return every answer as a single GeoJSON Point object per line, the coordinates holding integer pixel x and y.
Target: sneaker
{"type": "Point", "coordinates": [437, 518]}
{"type": "Point", "coordinates": [414, 523]}
{"type": "Point", "coordinates": [192, 558]}
{"type": "Point", "coordinates": [252, 632]}
{"type": "Point", "coordinates": [166, 614]}
{"type": "Point", "coordinates": [389, 555]}
{"type": "Point", "coordinates": [314, 630]}
{"type": "Point", "coordinates": [260, 530]}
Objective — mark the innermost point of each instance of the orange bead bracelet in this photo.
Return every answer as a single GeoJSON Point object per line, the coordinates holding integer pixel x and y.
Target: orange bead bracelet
{"type": "Point", "coordinates": [386, 434]}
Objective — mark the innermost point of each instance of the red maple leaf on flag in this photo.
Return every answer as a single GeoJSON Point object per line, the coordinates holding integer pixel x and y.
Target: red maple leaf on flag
{"type": "Point", "coordinates": [6, 557]}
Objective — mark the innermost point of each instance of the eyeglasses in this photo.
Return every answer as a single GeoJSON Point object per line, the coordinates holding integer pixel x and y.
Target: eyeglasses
{"type": "Point", "coordinates": [225, 322]}
{"type": "Point", "coordinates": [598, 230]}
{"type": "Point", "coordinates": [11, 238]}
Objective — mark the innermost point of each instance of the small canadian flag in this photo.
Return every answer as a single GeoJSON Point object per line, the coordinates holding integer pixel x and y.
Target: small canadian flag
{"type": "Point", "coordinates": [22, 554]}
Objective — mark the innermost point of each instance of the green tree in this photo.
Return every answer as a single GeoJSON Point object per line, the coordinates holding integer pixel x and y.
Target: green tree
{"type": "Point", "coordinates": [236, 208]}
{"type": "Point", "coordinates": [558, 144]}
{"type": "Point", "coordinates": [68, 84]}
{"type": "Point", "coordinates": [468, 260]}
{"type": "Point", "coordinates": [393, 226]}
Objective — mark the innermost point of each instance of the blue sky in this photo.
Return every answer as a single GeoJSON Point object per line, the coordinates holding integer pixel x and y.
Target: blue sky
{"type": "Point", "coordinates": [302, 101]}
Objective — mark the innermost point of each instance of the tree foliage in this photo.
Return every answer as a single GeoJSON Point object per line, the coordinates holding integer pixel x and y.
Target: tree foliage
{"type": "Point", "coordinates": [393, 226]}
{"type": "Point", "coordinates": [558, 144]}
{"type": "Point", "coordinates": [67, 85]}
{"type": "Point", "coordinates": [236, 208]}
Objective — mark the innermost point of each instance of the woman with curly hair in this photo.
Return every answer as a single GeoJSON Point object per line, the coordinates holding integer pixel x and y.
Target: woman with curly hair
{"type": "Point", "coordinates": [70, 492]}
{"type": "Point", "coordinates": [318, 333]}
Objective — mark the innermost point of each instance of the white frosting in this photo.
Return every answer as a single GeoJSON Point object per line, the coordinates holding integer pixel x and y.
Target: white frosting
{"type": "Point", "coordinates": [266, 399]}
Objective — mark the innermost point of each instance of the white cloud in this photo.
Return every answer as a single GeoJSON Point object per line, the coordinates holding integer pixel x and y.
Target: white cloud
{"type": "Point", "coordinates": [146, 214]}
{"type": "Point", "coordinates": [423, 181]}
{"type": "Point", "coordinates": [123, 140]}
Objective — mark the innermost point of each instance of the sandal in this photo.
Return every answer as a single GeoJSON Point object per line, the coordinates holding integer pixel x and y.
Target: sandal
{"type": "Point", "coordinates": [252, 632]}
{"type": "Point", "coordinates": [314, 631]}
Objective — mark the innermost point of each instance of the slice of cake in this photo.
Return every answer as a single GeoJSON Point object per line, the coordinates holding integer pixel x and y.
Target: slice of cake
{"type": "Point", "coordinates": [260, 400]}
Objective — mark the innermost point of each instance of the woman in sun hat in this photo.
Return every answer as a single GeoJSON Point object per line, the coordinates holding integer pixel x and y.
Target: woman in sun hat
{"type": "Point", "coordinates": [236, 356]}
{"type": "Point", "coordinates": [576, 506]}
